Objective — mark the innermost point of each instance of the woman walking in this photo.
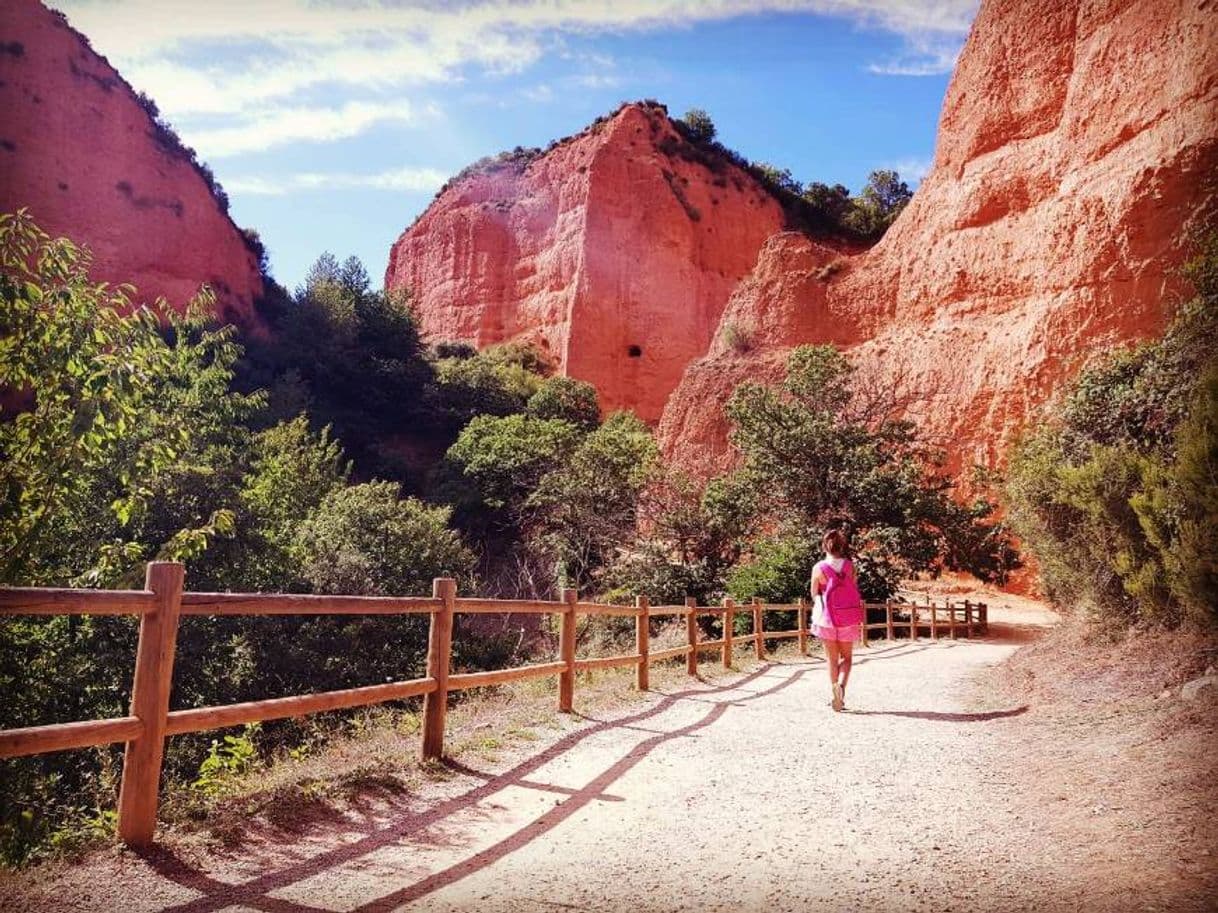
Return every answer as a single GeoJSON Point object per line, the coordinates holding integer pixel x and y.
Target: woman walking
{"type": "Point", "coordinates": [838, 615]}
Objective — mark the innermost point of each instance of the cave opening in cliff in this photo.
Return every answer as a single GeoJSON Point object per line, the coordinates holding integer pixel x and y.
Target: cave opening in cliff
{"type": "Point", "coordinates": [634, 351]}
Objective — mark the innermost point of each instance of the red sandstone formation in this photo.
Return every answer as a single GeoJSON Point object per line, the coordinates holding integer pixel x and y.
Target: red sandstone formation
{"type": "Point", "coordinates": [1076, 142]}
{"type": "Point", "coordinates": [1074, 146]}
{"type": "Point", "coordinates": [81, 153]}
{"type": "Point", "coordinates": [611, 252]}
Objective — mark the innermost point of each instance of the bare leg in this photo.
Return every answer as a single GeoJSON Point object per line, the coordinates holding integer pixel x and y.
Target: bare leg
{"type": "Point", "coordinates": [831, 659]}
{"type": "Point", "coordinates": [846, 660]}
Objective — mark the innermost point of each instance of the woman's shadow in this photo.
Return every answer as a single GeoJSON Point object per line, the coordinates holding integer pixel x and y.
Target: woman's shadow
{"type": "Point", "coordinates": [944, 717]}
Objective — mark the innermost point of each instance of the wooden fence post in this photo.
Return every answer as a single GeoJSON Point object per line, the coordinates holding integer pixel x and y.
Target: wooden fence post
{"type": "Point", "coordinates": [691, 635]}
{"type": "Point", "coordinates": [863, 632]}
{"type": "Point", "coordinates": [137, 800]}
{"type": "Point", "coordinates": [729, 622]}
{"type": "Point", "coordinates": [642, 638]}
{"type": "Point", "coordinates": [888, 618]}
{"type": "Point", "coordinates": [439, 648]}
{"type": "Point", "coordinates": [913, 621]}
{"type": "Point", "coordinates": [951, 620]}
{"type": "Point", "coordinates": [968, 619]}
{"type": "Point", "coordinates": [566, 649]}
{"type": "Point", "coordinates": [758, 625]}
{"type": "Point", "coordinates": [801, 619]}
{"type": "Point", "coordinates": [983, 611]}
{"type": "Point", "coordinates": [934, 622]}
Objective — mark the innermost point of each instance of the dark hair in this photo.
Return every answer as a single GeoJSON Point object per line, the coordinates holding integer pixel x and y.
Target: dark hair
{"type": "Point", "coordinates": [834, 543]}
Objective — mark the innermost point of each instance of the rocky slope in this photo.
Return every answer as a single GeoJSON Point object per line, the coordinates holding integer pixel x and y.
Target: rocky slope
{"type": "Point", "coordinates": [1076, 142]}
{"type": "Point", "coordinates": [80, 151]}
{"type": "Point", "coordinates": [614, 252]}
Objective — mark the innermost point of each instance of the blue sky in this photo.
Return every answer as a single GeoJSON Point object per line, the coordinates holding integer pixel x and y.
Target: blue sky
{"type": "Point", "coordinates": [331, 123]}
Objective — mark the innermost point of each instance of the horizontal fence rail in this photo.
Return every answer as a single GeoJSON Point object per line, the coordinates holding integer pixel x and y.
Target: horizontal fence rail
{"type": "Point", "coordinates": [162, 602]}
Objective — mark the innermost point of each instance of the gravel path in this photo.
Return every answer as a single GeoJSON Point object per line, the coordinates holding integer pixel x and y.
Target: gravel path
{"type": "Point", "coordinates": [747, 796]}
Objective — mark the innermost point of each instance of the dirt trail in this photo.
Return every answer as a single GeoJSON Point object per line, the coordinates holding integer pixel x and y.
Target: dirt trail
{"type": "Point", "coordinates": [747, 796]}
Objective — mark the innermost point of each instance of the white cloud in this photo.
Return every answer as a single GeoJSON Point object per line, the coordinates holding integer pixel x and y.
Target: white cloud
{"type": "Point", "coordinates": [912, 169]}
{"type": "Point", "coordinates": [136, 28]}
{"type": "Point", "coordinates": [292, 125]}
{"type": "Point", "coordinates": [406, 179]}
{"type": "Point", "coordinates": [926, 55]}
{"type": "Point", "coordinates": [254, 60]}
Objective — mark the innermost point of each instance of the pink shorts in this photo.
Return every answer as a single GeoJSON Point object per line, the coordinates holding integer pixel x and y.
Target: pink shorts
{"type": "Point", "coordinates": [844, 633]}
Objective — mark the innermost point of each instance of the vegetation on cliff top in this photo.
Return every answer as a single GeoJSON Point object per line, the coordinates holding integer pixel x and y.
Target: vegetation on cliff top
{"type": "Point", "coordinates": [818, 209]}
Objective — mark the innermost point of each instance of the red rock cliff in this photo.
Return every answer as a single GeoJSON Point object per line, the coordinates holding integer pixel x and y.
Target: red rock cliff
{"type": "Point", "coordinates": [1076, 142]}
{"type": "Point", "coordinates": [80, 152]}
{"type": "Point", "coordinates": [612, 252]}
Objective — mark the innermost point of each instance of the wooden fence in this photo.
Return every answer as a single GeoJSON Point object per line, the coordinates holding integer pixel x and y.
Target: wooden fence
{"type": "Point", "coordinates": [162, 602]}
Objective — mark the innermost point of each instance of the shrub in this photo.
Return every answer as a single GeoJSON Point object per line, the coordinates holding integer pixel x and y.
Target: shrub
{"type": "Point", "coordinates": [701, 129]}
{"type": "Point", "coordinates": [817, 459]}
{"type": "Point", "coordinates": [568, 399]}
{"type": "Point", "coordinates": [1113, 490]}
{"type": "Point", "coordinates": [368, 539]}
{"type": "Point", "coordinates": [737, 338]}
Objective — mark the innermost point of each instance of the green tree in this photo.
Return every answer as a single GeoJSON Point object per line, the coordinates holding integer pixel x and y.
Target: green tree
{"type": "Point", "coordinates": [350, 357]}
{"type": "Point", "coordinates": [586, 507]}
{"type": "Point", "coordinates": [121, 436]}
{"type": "Point", "coordinates": [879, 203]}
{"type": "Point", "coordinates": [699, 126]}
{"type": "Point", "coordinates": [818, 457]}
{"type": "Point", "coordinates": [833, 201]}
{"type": "Point", "coordinates": [505, 457]}
{"type": "Point", "coordinates": [565, 398]}
{"type": "Point", "coordinates": [498, 381]}
{"type": "Point", "coordinates": [780, 178]}
{"type": "Point", "coordinates": [368, 539]}
{"type": "Point", "coordinates": [291, 471]}
{"type": "Point", "coordinates": [1114, 489]}
{"type": "Point", "coordinates": [693, 535]}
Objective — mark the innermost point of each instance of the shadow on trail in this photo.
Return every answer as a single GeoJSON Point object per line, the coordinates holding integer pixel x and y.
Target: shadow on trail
{"type": "Point", "coordinates": [256, 892]}
{"type": "Point", "coordinates": [944, 717]}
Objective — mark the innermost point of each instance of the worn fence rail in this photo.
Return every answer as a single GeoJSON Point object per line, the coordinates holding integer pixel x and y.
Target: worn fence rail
{"type": "Point", "coordinates": [162, 602]}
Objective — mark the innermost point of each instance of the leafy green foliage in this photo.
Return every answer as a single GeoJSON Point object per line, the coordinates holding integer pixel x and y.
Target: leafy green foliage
{"type": "Point", "coordinates": [368, 540]}
{"type": "Point", "coordinates": [878, 205]}
{"type": "Point", "coordinates": [123, 440]}
{"type": "Point", "coordinates": [227, 758]}
{"type": "Point", "coordinates": [111, 453]}
{"type": "Point", "coordinates": [1115, 492]}
{"type": "Point", "coordinates": [500, 380]}
{"type": "Point", "coordinates": [505, 457]}
{"type": "Point", "coordinates": [778, 571]}
{"type": "Point", "coordinates": [348, 356]}
{"type": "Point", "coordinates": [568, 399]}
{"type": "Point", "coordinates": [699, 124]}
{"type": "Point", "coordinates": [780, 177]}
{"type": "Point", "coordinates": [586, 507]}
{"type": "Point", "coordinates": [818, 457]}
{"type": "Point", "coordinates": [694, 535]}
{"type": "Point", "coordinates": [290, 472]}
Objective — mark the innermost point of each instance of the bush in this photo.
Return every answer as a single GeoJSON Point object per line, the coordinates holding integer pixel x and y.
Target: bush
{"type": "Point", "coordinates": [1114, 490]}
{"type": "Point", "coordinates": [701, 129]}
{"type": "Point", "coordinates": [367, 539]}
{"type": "Point", "coordinates": [737, 338]}
{"type": "Point", "coordinates": [584, 509]}
{"type": "Point", "coordinates": [564, 398]}
{"type": "Point", "coordinates": [818, 459]}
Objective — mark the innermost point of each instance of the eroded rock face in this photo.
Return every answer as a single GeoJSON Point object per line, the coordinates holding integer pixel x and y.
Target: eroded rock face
{"type": "Point", "coordinates": [79, 151]}
{"type": "Point", "coordinates": [1076, 143]}
{"type": "Point", "coordinates": [612, 252]}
